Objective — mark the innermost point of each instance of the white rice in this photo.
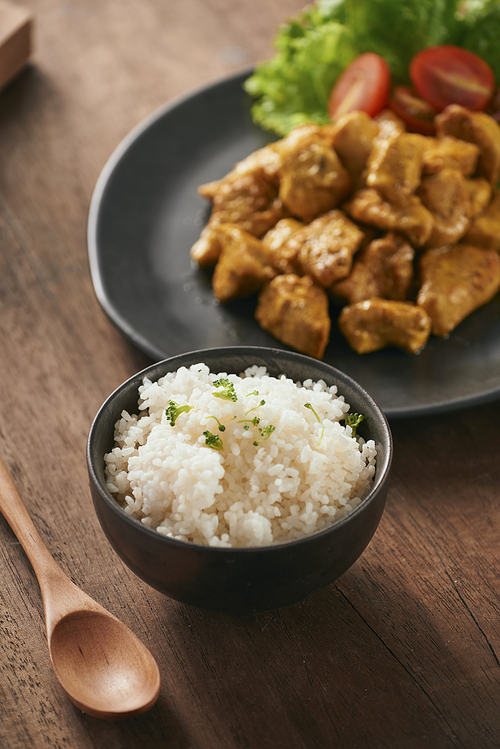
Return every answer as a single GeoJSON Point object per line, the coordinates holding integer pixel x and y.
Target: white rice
{"type": "Point", "coordinates": [305, 476]}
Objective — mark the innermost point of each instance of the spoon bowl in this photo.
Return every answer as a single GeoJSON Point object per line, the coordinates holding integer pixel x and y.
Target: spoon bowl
{"type": "Point", "coordinates": [96, 663]}
{"type": "Point", "coordinates": [103, 668]}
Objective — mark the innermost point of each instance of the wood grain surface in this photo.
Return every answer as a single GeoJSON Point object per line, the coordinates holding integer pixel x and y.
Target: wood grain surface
{"type": "Point", "coordinates": [403, 651]}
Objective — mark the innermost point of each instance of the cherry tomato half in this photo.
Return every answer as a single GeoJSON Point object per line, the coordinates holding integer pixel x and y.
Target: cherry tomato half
{"type": "Point", "coordinates": [363, 86]}
{"type": "Point", "coordinates": [415, 111]}
{"type": "Point", "coordinates": [447, 74]}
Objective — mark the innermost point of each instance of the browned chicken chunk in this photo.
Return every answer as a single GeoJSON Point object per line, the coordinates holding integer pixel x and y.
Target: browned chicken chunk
{"type": "Point", "coordinates": [382, 269]}
{"type": "Point", "coordinates": [352, 137]}
{"type": "Point", "coordinates": [446, 196]}
{"type": "Point", "coordinates": [324, 249]}
{"type": "Point", "coordinates": [454, 282]}
{"type": "Point", "coordinates": [207, 248]}
{"type": "Point", "coordinates": [313, 179]}
{"type": "Point", "coordinates": [394, 166]}
{"type": "Point", "coordinates": [243, 265]}
{"type": "Point", "coordinates": [265, 161]}
{"type": "Point", "coordinates": [388, 124]}
{"type": "Point", "coordinates": [294, 310]}
{"type": "Point", "coordinates": [247, 199]}
{"type": "Point", "coordinates": [479, 193]}
{"type": "Point", "coordinates": [326, 244]}
{"type": "Point", "coordinates": [478, 128]}
{"type": "Point", "coordinates": [449, 153]}
{"type": "Point", "coordinates": [377, 323]}
{"type": "Point", "coordinates": [485, 228]}
{"type": "Point", "coordinates": [413, 219]}
{"type": "Point", "coordinates": [275, 238]}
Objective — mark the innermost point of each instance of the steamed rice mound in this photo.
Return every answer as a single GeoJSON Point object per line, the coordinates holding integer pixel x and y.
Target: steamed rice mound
{"type": "Point", "coordinates": [304, 476]}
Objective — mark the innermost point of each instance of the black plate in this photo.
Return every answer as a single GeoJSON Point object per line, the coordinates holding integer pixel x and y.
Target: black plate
{"type": "Point", "coordinates": [145, 215]}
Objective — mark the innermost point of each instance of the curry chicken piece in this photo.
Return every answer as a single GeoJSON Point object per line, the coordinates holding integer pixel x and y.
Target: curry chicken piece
{"type": "Point", "coordinates": [388, 124]}
{"type": "Point", "coordinates": [395, 165]}
{"type": "Point", "coordinates": [312, 177]}
{"type": "Point", "coordinates": [479, 193]}
{"type": "Point", "coordinates": [206, 250]}
{"type": "Point", "coordinates": [352, 137]}
{"type": "Point", "coordinates": [474, 127]}
{"type": "Point", "coordinates": [454, 282]}
{"type": "Point", "coordinates": [412, 219]}
{"type": "Point", "coordinates": [248, 200]}
{"type": "Point", "coordinates": [265, 161]}
{"type": "Point", "coordinates": [276, 237]}
{"type": "Point", "coordinates": [295, 310]}
{"type": "Point", "coordinates": [485, 229]}
{"type": "Point", "coordinates": [283, 252]}
{"type": "Point", "coordinates": [247, 196]}
{"type": "Point", "coordinates": [323, 249]}
{"type": "Point", "coordinates": [449, 153]}
{"type": "Point", "coordinates": [382, 269]}
{"type": "Point", "coordinates": [374, 324]}
{"type": "Point", "coordinates": [446, 196]}
{"type": "Point", "coordinates": [243, 265]}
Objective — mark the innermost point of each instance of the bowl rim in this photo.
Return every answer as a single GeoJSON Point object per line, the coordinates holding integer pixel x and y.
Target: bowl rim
{"type": "Point", "coordinates": [381, 476]}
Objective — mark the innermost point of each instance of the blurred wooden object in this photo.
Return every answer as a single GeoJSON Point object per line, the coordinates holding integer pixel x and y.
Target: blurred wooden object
{"type": "Point", "coordinates": [16, 31]}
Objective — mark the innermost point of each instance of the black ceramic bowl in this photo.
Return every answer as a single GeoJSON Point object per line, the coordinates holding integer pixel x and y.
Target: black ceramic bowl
{"type": "Point", "coordinates": [247, 579]}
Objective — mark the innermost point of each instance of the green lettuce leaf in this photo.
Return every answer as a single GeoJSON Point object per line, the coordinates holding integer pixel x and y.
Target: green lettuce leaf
{"type": "Point", "coordinates": [294, 86]}
{"type": "Point", "coordinates": [397, 30]}
{"type": "Point", "coordinates": [483, 38]}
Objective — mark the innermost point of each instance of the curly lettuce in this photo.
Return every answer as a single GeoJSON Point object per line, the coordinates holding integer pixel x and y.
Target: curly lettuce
{"type": "Point", "coordinates": [315, 46]}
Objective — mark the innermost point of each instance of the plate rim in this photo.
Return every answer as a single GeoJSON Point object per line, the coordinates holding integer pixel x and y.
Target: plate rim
{"type": "Point", "coordinates": [99, 188]}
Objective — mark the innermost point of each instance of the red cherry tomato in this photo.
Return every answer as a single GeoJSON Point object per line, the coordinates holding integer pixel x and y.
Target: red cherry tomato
{"type": "Point", "coordinates": [417, 113]}
{"type": "Point", "coordinates": [447, 74]}
{"type": "Point", "coordinates": [363, 86]}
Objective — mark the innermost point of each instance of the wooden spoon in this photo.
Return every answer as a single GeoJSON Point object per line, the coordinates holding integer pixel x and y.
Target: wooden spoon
{"type": "Point", "coordinates": [101, 665]}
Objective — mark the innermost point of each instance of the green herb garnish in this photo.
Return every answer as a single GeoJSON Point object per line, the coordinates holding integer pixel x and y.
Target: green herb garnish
{"type": "Point", "coordinates": [253, 421]}
{"type": "Point", "coordinates": [311, 408]}
{"type": "Point", "coordinates": [227, 393]}
{"type": "Point", "coordinates": [174, 411]}
{"type": "Point", "coordinates": [213, 440]}
{"type": "Point", "coordinates": [265, 433]}
{"type": "Point", "coordinates": [262, 403]}
{"type": "Point", "coordinates": [222, 428]}
{"type": "Point", "coordinates": [353, 421]}
{"type": "Point", "coordinates": [246, 422]}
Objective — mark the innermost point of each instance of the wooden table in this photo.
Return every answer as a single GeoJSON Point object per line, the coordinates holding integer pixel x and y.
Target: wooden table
{"type": "Point", "coordinates": [403, 651]}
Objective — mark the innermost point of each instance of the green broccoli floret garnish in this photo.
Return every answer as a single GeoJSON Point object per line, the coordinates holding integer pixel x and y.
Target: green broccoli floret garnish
{"type": "Point", "coordinates": [353, 421]}
{"type": "Point", "coordinates": [262, 403]}
{"type": "Point", "coordinates": [213, 440]}
{"type": "Point", "coordinates": [265, 433]}
{"type": "Point", "coordinates": [227, 393]}
{"type": "Point", "coordinates": [222, 428]}
{"type": "Point", "coordinates": [247, 422]}
{"type": "Point", "coordinates": [311, 408]}
{"type": "Point", "coordinates": [174, 410]}
{"type": "Point", "coordinates": [254, 392]}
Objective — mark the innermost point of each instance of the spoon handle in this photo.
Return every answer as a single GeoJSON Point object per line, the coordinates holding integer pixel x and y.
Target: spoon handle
{"type": "Point", "coordinates": [59, 593]}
